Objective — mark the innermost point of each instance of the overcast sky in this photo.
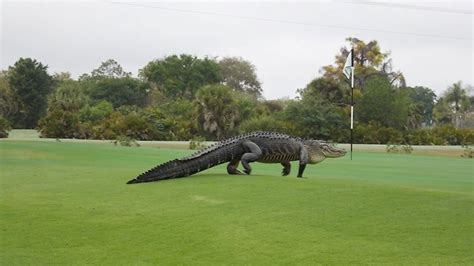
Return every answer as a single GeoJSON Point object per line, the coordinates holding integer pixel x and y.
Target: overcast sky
{"type": "Point", "coordinates": [430, 42]}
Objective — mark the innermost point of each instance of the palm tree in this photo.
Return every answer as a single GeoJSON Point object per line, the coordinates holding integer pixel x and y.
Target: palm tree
{"type": "Point", "coordinates": [457, 97]}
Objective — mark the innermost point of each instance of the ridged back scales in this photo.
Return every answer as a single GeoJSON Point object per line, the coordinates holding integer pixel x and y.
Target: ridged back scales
{"type": "Point", "coordinates": [236, 140]}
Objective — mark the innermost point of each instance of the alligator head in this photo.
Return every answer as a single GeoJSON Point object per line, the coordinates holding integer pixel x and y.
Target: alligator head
{"type": "Point", "coordinates": [319, 150]}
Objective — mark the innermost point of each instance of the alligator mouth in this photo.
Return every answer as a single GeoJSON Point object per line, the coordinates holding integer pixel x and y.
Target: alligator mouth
{"type": "Point", "coordinates": [333, 152]}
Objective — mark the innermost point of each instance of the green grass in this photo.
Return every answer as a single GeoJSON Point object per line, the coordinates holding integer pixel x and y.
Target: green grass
{"type": "Point", "coordinates": [67, 203]}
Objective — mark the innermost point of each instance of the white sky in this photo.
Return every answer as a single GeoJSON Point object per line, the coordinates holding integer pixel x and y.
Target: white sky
{"type": "Point", "coordinates": [77, 36]}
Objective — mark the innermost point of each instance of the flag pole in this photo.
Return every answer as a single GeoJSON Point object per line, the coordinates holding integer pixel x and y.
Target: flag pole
{"type": "Point", "coordinates": [349, 71]}
{"type": "Point", "coordinates": [352, 96]}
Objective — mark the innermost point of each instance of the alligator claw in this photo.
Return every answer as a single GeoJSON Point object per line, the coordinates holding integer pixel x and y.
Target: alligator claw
{"type": "Point", "coordinates": [237, 172]}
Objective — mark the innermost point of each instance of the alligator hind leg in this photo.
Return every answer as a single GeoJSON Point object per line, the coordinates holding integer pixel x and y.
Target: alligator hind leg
{"type": "Point", "coordinates": [254, 153]}
{"type": "Point", "coordinates": [286, 168]}
{"type": "Point", "coordinates": [232, 167]}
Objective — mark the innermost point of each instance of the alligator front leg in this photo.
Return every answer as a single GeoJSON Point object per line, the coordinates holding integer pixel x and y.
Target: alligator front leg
{"type": "Point", "coordinates": [254, 153]}
{"type": "Point", "coordinates": [304, 159]}
{"type": "Point", "coordinates": [286, 168]}
{"type": "Point", "coordinates": [301, 170]}
{"type": "Point", "coordinates": [232, 167]}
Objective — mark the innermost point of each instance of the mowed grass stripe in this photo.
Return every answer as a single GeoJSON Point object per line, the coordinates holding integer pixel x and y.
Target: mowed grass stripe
{"type": "Point", "coordinates": [68, 203]}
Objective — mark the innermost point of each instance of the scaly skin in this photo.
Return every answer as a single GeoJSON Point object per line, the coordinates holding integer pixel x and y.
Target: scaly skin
{"type": "Point", "coordinates": [265, 147]}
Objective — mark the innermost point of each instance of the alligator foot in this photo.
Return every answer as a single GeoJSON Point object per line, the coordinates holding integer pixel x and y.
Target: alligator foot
{"type": "Point", "coordinates": [236, 172]}
{"type": "Point", "coordinates": [247, 171]}
{"type": "Point", "coordinates": [232, 168]}
{"type": "Point", "coordinates": [286, 168]}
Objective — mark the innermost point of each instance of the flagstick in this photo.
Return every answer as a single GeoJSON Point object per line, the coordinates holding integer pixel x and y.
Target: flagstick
{"type": "Point", "coordinates": [352, 96]}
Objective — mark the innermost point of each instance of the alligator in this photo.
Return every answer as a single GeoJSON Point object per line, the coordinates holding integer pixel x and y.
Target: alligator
{"type": "Point", "coordinates": [265, 147]}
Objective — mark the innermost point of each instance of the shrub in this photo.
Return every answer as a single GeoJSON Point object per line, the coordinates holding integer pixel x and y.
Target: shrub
{"type": "Point", "coordinates": [466, 135]}
{"type": "Point", "coordinates": [262, 123]}
{"type": "Point", "coordinates": [125, 141]}
{"type": "Point", "coordinates": [421, 137]}
{"type": "Point", "coordinates": [59, 123]}
{"type": "Point", "coordinates": [407, 149]}
{"type": "Point", "coordinates": [178, 119]}
{"type": "Point", "coordinates": [376, 133]}
{"type": "Point", "coordinates": [445, 134]}
{"type": "Point", "coordinates": [96, 113]}
{"type": "Point", "coordinates": [4, 127]}
{"type": "Point", "coordinates": [468, 152]}
{"type": "Point", "coordinates": [132, 122]}
{"type": "Point", "coordinates": [197, 143]}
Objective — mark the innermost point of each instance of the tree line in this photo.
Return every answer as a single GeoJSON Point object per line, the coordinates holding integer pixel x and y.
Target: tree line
{"type": "Point", "coordinates": [183, 97]}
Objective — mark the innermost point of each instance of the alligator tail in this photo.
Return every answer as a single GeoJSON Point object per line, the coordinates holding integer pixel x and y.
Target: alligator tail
{"type": "Point", "coordinates": [182, 167]}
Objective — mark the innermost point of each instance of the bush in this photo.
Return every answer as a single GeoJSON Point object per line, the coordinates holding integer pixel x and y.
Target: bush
{"type": "Point", "coordinates": [444, 135]}
{"type": "Point", "coordinates": [449, 135]}
{"type": "Point", "coordinates": [467, 136]}
{"type": "Point", "coordinates": [179, 120]}
{"type": "Point", "coordinates": [407, 149]}
{"type": "Point", "coordinates": [197, 143]}
{"type": "Point", "coordinates": [125, 141]}
{"type": "Point", "coordinates": [376, 133]}
{"type": "Point", "coordinates": [96, 113]}
{"type": "Point", "coordinates": [468, 152]}
{"type": "Point", "coordinates": [59, 123]}
{"type": "Point", "coordinates": [4, 127]}
{"type": "Point", "coordinates": [101, 121]}
{"type": "Point", "coordinates": [132, 122]}
{"type": "Point", "coordinates": [62, 119]}
{"type": "Point", "coordinates": [263, 123]}
{"type": "Point", "coordinates": [422, 136]}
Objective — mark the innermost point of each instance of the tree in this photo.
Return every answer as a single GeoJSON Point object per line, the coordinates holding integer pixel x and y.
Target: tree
{"type": "Point", "coordinates": [442, 112]}
{"type": "Point", "coordinates": [313, 115]}
{"type": "Point", "coordinates": [118, 91]}
{"type": "Point", "coordinates": [110, 83]}
{"type": "Point", "coordinates": [61, 77]}
{"type": "Point", "coordinates": [240, 75]}
{"type": "Point", "coordinates": [219, 111]}
{"type": "Point", "coordinates": [31, 83]}
{"type": "Point", "coordinates": [369, 61]}
{"type": "Point", "coordinates": [9, 105]}
{"type": "Point", "coordinates": [455, 104]}
{"type": "Point", "coordinates": [327, 89]}
{"type": "Point", "coordinates": [383, 104]}
{"type": "Point", "coordinates": [110, 69]}
{"type": "Point", "coordinates": [69, 96]}
{"type": "Point", "coordinates": [457, 96]}
{"type": "Point", "coordinates": [62, 119]}
{"type": "Point", "coordinates": [421, 111]}
{"type": "Point", "coordinates": [181, 76]}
